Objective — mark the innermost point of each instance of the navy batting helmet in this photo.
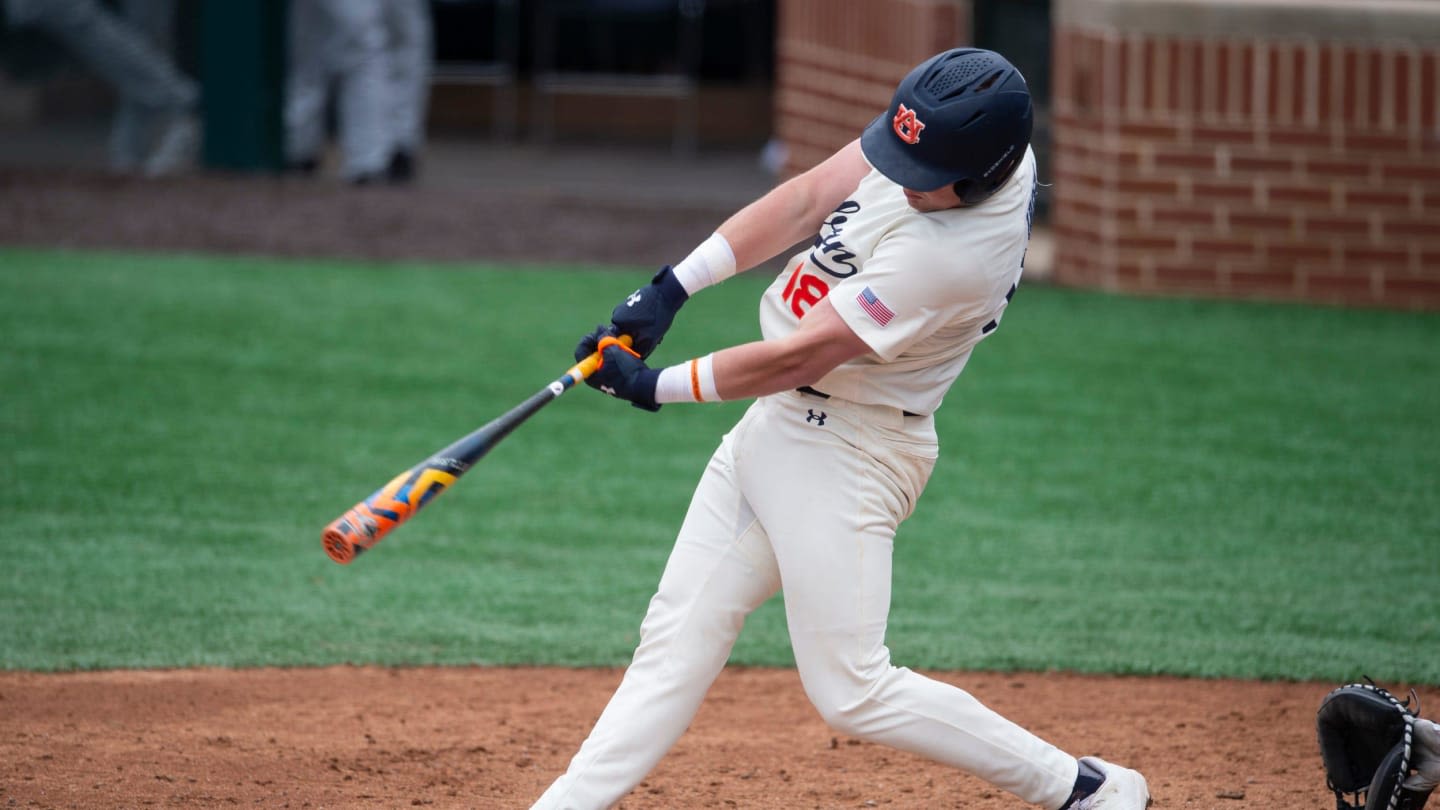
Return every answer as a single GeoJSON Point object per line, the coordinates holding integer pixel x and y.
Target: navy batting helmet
{"type": "Point", "coordinates": [962, 117]}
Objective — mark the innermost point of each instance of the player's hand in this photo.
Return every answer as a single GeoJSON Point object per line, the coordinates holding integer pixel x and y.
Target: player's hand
{"type": "Point", "coordinates": [621, 373]}
{"type": "Point", "coordinates": [646, 314]}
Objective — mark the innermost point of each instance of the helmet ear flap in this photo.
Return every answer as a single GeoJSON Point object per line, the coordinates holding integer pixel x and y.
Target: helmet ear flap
{"type": "Point", "coordinates": [972, 192]}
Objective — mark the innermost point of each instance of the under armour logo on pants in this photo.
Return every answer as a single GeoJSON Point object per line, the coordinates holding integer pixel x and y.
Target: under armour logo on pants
{"type": "Point", "coordinates": [817, 418]}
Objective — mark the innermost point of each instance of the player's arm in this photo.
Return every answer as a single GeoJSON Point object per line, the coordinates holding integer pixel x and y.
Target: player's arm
{"type": "Point", "coordinates": [794, 210]}
{"type": "Point", "coordinates": [787, 214]}
{"type": "Point", "coordinates": [822, 342]}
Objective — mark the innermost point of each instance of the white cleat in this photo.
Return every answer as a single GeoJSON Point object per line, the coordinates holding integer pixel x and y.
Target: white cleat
{"type": "Point", "coordinates": [1123, 789]}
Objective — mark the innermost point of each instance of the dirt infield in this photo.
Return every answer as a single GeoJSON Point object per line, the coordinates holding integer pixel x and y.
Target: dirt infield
{"type": "Point", "coordinates": [494, 738]}
{"type": "Point", "coordinates": [278, 216]}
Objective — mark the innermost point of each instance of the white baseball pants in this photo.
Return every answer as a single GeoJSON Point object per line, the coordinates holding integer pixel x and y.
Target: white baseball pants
{"type": "Point", "coordinates": [806, 493]}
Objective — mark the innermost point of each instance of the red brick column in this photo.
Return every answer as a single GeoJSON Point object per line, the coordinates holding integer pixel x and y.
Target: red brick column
{"type": "Point", "coordinates": [838, 62]}
{"type": "Point", "coordinates": [1244, 148]}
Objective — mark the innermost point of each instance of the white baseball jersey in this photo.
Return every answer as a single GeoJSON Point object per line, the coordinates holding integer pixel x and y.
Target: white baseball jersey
{"type": "Point", "coordinates": [921, 289]}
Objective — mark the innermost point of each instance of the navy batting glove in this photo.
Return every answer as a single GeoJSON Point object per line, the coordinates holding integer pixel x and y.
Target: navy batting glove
{"type": "Point", "coordinates": [589, 344]}
{"type": "Point", "coordinates": [646, 314]}
{"type": "Point", "coordinates": [622, 374]}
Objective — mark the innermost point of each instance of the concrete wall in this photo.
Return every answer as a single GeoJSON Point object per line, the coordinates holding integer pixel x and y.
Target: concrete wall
{"type": "Point", "coordinates": [838, 61]}
{"type": "Point", "coordinates": [1266, 148]}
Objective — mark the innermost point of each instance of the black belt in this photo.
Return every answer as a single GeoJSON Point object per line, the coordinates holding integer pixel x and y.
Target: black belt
{"type": "Point", "coordinates": [805, 389]}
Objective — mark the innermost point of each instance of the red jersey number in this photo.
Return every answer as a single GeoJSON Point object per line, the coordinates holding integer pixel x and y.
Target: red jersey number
{"type": "Point", "coordinates": [804, 291]}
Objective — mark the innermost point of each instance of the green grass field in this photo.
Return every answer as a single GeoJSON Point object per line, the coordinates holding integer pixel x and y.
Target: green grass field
{"type": "Point", "coordinates": [1134, 486]}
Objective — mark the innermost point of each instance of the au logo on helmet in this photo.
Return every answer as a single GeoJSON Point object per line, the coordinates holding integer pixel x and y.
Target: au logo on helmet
{"type": "Point", "coordinates": [907, 126]}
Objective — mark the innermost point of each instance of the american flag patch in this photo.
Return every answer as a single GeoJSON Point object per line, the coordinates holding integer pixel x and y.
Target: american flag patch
{"type": "Point", "coordinates": [874, 307]}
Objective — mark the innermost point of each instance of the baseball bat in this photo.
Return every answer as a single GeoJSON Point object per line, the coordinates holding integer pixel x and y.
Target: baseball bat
{"type": "Point", "coordinates": [366, 523]}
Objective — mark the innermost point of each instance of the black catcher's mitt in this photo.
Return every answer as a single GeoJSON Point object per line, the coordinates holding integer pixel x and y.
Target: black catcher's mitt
{"type": "Point", "coordinates": [1367, 742]}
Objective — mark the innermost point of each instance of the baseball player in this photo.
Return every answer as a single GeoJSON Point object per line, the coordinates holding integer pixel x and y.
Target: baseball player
{"type": "Point", "coordinates": [135, 125]}
{"type": "Point", "coordinates": [919, 233]}
{"type": "Point", "coordinates": [411, 53]}
{"type": "Point", "coordinates": [377, 54]}
{"type": "Point", "coordinates": [156, 130]}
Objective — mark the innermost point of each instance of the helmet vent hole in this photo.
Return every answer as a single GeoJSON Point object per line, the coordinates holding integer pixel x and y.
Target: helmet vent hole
{"type": "Point", "coordinates": [988, 81]}
{"type": "Point", "coordinates": [956, 77]}
{"type": "Point", "coordinates": [972, 119]}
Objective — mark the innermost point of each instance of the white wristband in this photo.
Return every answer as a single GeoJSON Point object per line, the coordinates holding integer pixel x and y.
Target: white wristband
{"type": "Point", "coordinates": [692, 381]}
{"type": "Point", "coordinates": [709, 264]}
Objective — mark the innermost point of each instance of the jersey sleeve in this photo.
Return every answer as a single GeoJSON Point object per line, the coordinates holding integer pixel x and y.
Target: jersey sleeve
{"type": "Point", "coordinates": [908, 291]}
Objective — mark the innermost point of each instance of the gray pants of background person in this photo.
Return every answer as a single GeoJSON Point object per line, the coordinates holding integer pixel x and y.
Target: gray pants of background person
{"type": "Point", "coordinates": [340, 42]}
{"type": "Point", "coordinates": [412, 51]}
{"type": "Point", "coordinates": [376, 55]}
{"type": "Point", "coordinates": [149, 84]}
{"type": "Point", "coordinates": [136, 127]}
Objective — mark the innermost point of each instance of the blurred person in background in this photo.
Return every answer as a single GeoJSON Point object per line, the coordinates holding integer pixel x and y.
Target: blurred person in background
{"type": "Point", "coordinates": [376, 55]}
{"type": "Point", "coordinates": [155, 130]}
{"type": "Point", "coordinates": [136, 127]}
{"type": "Point", "coordinates": [412, 52]}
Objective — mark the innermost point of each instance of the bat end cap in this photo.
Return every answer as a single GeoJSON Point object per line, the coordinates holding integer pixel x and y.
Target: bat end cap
{"type": "Point", "coordinates": [339, 547]}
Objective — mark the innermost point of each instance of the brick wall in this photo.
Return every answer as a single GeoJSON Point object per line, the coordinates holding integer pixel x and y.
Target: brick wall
{"type": "Point", "coordinates": [838, 61]}
{"type": "Point", "coordinates": [1300, 160]}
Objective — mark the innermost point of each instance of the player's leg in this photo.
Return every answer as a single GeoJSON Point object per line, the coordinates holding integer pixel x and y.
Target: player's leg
{"type": "Point", "coordinates": [171, 136]}
{"type": "Point", "coordinates": [133, 128]}
{"type": "Point", "coordinates": [720, 570]}
{"type": "Point", "coordinates": [831, 497]}
{"type": "Point", "coordinates": [355, 52]}
{"type": "Point", "coordinates": [411, 53]}
{"type": "Point", "coordinates": [139, 71]}
{"type": "Point", "coordinates": [306, 85]}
